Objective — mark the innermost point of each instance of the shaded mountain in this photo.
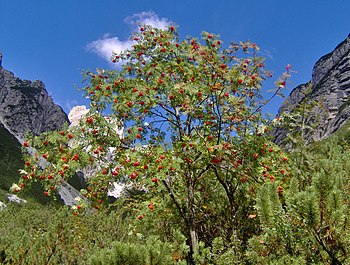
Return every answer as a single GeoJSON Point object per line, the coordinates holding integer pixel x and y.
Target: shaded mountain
{"type": "Point", "coordinates": [10, 158]}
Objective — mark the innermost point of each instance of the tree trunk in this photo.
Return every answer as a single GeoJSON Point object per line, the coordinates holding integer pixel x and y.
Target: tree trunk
{"type": "Point", "coordinates": [191, 219]}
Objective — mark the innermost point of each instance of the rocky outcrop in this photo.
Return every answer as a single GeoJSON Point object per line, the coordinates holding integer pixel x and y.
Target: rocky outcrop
{"type": "Point", "coordinates": [325, 100]}
{"type": "Point", "coordinates": [76, 114]}
{"type": "Point", "coordinates": [26, 106]}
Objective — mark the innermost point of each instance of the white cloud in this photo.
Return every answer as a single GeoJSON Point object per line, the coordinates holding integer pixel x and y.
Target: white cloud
{"type": "Point", "coordinates": [105, 46]}
{"type": "Point", "coordinates": [147, 18]}
{"type": "Point", "coordinates": [269, 53]}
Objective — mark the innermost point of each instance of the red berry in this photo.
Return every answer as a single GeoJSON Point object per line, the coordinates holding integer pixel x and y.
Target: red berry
{"type": "Point", "coordinates": [25, 144]}
{"type": "Point", "coordinates": [243, 179]}
{"type": "Point", "coordinates": [155, 180]}
{"type": "Point", "coordinates": [216, 160]}
{"type": "Point", "coordinates": [133, 175]}
{"type": "Point", "coordinates": [89, 120]}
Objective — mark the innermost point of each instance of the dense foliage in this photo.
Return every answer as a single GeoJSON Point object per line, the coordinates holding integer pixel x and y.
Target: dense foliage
{"type": "Point", "coordinates": [204, 184]}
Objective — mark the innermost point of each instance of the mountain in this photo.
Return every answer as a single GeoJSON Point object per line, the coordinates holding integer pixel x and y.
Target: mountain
{"type": "Point", "coordinates": [25, 106]}
{"type": "Point", "coordinates": [323, 102]}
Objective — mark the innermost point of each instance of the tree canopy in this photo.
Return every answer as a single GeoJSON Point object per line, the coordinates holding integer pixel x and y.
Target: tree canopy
{"type": "Point", "coordinates": [194, 151]}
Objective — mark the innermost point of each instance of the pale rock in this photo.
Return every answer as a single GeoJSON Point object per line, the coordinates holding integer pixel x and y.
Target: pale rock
{"type": "Point", "coordinates": [2, 205]}
{"type": "Point", "coordinates": [76, 114]}
{"type": "Point", "coordinates": [117, 190]}
{"type": "Point", "coordinates": [15, 198]}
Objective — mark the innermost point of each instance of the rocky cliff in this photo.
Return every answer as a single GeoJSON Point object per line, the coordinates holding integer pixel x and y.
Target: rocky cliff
{"type": "Point", "coordinates": [324, 102]}
{"type": "Point", "coordinates": [26, 106]}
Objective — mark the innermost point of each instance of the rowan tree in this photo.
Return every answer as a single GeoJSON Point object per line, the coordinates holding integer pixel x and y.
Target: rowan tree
{"type": "Point", "coordinates": [194, 150]}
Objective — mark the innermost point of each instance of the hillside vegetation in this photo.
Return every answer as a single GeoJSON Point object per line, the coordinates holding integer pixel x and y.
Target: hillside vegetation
{"type": "Point", "coordinates": [306, 224]}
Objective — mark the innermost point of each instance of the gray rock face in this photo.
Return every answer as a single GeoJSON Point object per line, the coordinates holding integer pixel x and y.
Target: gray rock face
{"type": "Point", "coordinates": [26, 105]}
{"type": "Point", "coordinates": [327, 96]}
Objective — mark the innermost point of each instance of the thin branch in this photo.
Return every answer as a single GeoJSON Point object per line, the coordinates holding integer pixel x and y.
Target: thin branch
{"type": "Point", "coordinates": [156, 113]}
{"type": "Point", "coordinates": [178, 206]}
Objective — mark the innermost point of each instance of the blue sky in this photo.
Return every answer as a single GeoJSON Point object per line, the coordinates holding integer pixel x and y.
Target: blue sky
{"type": "Point", "coordinates": [55, 40]}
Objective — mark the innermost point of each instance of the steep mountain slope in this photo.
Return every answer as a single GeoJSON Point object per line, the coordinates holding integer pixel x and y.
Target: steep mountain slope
{"type": "Point", "coordinates": [325, 100]}
{"type": "Point", "coordinates": [25, 106]}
